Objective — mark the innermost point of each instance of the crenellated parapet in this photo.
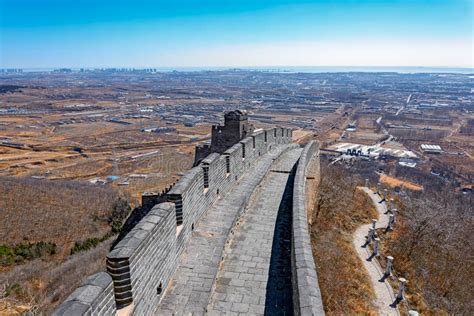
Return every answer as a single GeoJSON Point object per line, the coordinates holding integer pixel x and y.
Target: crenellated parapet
{"type": "Point", "coordinates": [141, 265]}
{"type": "Point", "coordinates": [94, 297]}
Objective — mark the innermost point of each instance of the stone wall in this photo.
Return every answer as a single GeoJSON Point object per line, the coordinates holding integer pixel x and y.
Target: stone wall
{"type": "Point", "coordinates": [143, 262]}
{"type": "Point", "coordinates": [306, 294]}
{"type": "Point", "coordinates": [94, 297]}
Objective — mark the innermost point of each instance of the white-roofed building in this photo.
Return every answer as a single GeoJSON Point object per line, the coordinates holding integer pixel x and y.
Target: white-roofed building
{"type": "Point", "coordinates": [431, 149]}
{"type": "Point", "coordinates": [372, 151]}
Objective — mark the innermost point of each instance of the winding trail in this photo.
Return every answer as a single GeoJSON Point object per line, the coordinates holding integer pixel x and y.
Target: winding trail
{"type": "Point", "coordinates": [383, 291]}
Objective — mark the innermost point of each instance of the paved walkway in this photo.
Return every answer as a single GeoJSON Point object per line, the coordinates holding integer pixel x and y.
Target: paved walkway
{"type": "Point", "coordinates": [255, 276]}
{"type": "Point", "coordinates": [192, 283]}
{"type": "Point", "coordinates": [383, 291]}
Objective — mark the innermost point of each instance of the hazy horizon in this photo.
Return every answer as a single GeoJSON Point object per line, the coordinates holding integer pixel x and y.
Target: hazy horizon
{"type": "Point", "coordinates": [210, 33]}
{"type": "Point", "coordinates": [282, 69]}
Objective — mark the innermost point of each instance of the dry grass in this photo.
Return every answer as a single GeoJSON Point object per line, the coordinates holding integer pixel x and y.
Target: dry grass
{"type": "Point", "coordinates": [394, 182]}
{"type": "Point", "coordinates": [61, 212]}
{"type": "Point", "coordinates": [39, 286]}
{"type": "Point", "coordinates": [300, 136]}
{"type": "Point", "coordinates": [340, 209]}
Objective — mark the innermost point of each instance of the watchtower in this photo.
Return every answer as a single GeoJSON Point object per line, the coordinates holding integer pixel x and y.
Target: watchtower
{"type": "Point", "coordinates": [236, 127]}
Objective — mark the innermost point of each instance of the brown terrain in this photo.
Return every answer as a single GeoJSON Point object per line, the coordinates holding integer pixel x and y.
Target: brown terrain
{"type": "Point", "coordinates": [74, 161]}
{"type": "Point", "coordinates": [393, 182]}
{"type": "Point", "coordinates": [75, 157]}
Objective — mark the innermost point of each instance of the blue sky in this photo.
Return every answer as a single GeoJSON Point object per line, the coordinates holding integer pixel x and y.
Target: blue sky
{"type": "Point", "coordinates": [104, 33]}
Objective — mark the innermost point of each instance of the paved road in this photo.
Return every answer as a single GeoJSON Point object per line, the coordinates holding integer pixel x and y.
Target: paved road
{"type": "Point", "coordinates": [192, 284]}
{"type": "Point", "coordinates": [383, 291]}
{"type": "Point", "coordinates": [255, 275]}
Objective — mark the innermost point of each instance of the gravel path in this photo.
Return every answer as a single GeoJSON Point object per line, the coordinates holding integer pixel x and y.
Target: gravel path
{"type": "Point", "coordinates": [383, 291]}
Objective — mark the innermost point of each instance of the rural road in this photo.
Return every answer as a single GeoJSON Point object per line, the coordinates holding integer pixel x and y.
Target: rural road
{"type": "Point", "coordinates": [383, 291]}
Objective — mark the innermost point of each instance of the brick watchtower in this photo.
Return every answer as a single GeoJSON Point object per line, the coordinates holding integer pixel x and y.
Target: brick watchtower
{"type": "Point", "coordinates": [236, 127]}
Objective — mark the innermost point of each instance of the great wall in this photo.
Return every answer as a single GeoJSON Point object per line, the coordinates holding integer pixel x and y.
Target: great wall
{"type": "Point", "coordinates": [231, 237]}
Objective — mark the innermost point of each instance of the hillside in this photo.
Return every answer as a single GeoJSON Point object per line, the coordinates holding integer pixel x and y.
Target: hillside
{"type": "Point", "coordinates": [43, 222]}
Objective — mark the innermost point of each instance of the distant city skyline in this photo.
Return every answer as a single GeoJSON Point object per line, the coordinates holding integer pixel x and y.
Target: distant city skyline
{"type": "Point", "coordinates": [245, 33]}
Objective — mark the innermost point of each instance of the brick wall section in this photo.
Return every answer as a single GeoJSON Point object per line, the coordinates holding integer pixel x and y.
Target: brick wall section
{"type": "Point", "coordinates": [142, 263]}
{"type": "Point", "coordinates": [94, 297]}
{"type": "Point", "coordinates": [144, 260]}
{"type": "Point", "coordinates": [306, 294]}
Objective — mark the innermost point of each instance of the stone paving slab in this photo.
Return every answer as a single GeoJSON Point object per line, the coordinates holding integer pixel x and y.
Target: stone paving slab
{"type": "Point", "coordinates": [241, 284]}
{"type": "Point", "coordinates": [191, 286]}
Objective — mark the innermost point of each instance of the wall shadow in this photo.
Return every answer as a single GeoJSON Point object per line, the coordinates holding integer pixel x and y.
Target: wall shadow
{"type": "Point", "coordinates": [133, 219]}
{"type": "Point", "coordinates": [279, 291]}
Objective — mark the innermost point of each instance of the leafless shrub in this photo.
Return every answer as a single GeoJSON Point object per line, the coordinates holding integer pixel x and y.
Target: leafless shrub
{"type": "Point", "coordinates": [433, 247]}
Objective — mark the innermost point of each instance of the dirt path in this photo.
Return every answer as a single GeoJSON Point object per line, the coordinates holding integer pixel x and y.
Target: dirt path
{"type": "Point", "coordinates": [383, 291]}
